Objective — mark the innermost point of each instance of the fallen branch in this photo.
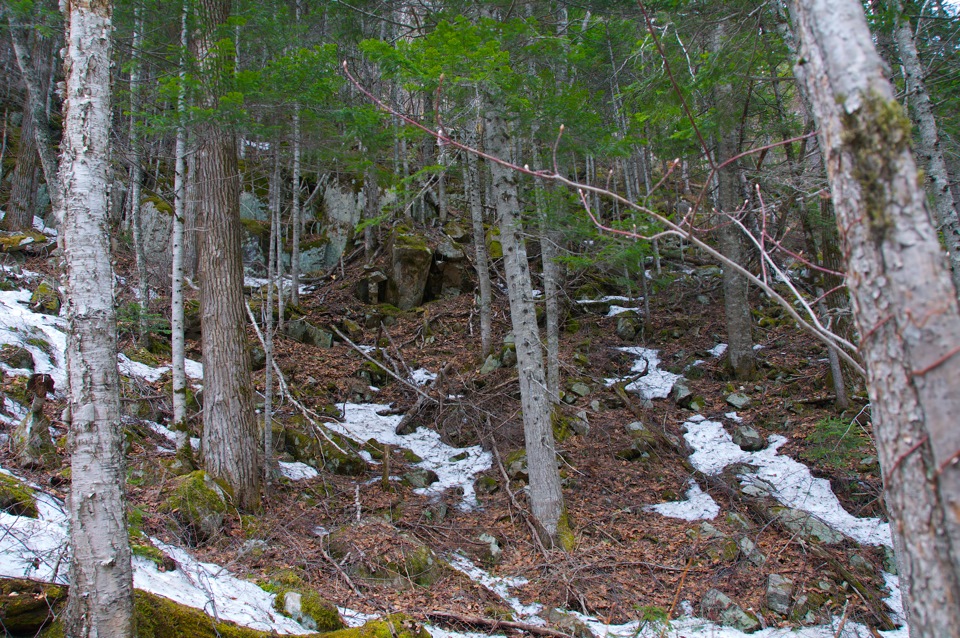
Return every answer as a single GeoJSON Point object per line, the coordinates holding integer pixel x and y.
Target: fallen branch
{"type": "Point", "coordinates": [494, 624]}
{"type": "Point", "coordinates": [516, 505]}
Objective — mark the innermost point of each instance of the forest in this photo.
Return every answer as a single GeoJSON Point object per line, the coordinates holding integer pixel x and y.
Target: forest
{"type": "Point", "coordinates": [459, 318]}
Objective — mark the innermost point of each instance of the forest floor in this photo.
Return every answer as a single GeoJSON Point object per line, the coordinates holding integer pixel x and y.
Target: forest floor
{"type": "Point", "coordinates": [627, 562]}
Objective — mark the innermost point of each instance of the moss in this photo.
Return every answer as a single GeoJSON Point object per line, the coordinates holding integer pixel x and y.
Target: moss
{"type": "Point", "coordinates": [566, 537]}
{"type": "Point", "coordinates": [410, 456]}
{"type": "Point", "coordinates": [43, 344]}
{"type": "Point", "coordinates": [257, 228]}
{"type": "Point", "coordinates": [562, 429]}
{"type": "Point", "coordinates": [46, 299]}
{"type": "Point", "coordinates": [319, 241]}
{"type": "Point", "coordinates": [159, 203]}
{"type": "Point", "coordinates": [393, 626]}
{"type": "Point", "coordinates": [312, 448]}
{"type": "Point", "coordinates": [26, 606]}
{"type": "Point", "coordinates": [16, 498]}
{"type": "Point", "coordinates": [12, 242]}
{"type": "Point", "coordinates": [877, 135]}
{"type": "Point", "coordinates": [148, 551]}
{"type": "Point", "coordinates": [142, 355]}
{"type": "Point", "coordinates": [316, 613]}
{"type": "Point", "coordinates": [200, 505]}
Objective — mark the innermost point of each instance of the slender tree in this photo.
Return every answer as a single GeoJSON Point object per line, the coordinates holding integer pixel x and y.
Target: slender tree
{"type": "Point", "coordinates": [904, 303]}
{"type": "Point", "coordinates": [100, 601]}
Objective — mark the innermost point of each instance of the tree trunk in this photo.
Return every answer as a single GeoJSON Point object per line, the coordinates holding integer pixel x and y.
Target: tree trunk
{"type": "Point", "coordinates": [928, 142]}
{"type": "Point", "coordinates": [549, 240]}
{"type": "Point", "coordinates": [100, 601]}
{"type": "Point", "coordinates": [904, 303]}
{"type": "Point", "coordinates": [546, 497]}
{"type": "Point", "coordinates": [229, 428]}
{"type": "Point", "coordinates": [36, 98]}
{"type": "Point", "coordinates": [136, 175]}
{"type": "Point", "coordinates": [177, 340]}
{"type": "Point", "coordinates": [24, 183]}
{"type": "Point", "coordinates": [295, 215]}
{"type": "Point", "coordinates": [472, 186]}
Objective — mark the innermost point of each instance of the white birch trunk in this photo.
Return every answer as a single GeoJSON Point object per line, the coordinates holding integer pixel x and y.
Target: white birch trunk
{"type": "Point", "coordinates": [100, 601]}
{"type": "Point", "coordinates": [295, 215]}
{"type": "Point", "coordinates": [136, 174]}
{"type": "Point", "coordinates": [177, 340]}
{"type": "Point", "coordinates": [904, 303]}
{"type": "Point", "coordinates": [928, 143]}
{"type": "Point", "coordinates": [546, 497]}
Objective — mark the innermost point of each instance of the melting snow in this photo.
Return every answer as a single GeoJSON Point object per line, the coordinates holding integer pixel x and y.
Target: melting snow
{"type": "Point", "coordinates": [422, 376]}
{"type": "Point", "coordinates": [656, 383]}
{"type": "Point", "coordinates": [698, 506]}
{"type": "Point", "coordinates": [501, 587]}
{"type": "Point", "coordinates": [791, 482]}
{"type": "Point", "coordinates": [361, 421]}
{"type": "Point", "coordinates": [718, 350]}
{"type": "Point", "coordinates": [31, 330]}
{"type": "Point", "coordinates": [213, 589]}
{"type": "Point", "coordinates": [297, 471]}
{"type": "Point", "coordinates": [131, 368]}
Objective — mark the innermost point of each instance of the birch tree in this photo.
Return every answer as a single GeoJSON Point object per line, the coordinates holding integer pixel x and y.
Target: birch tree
{"type": "Point", "coordinates": [904, 303]}
{"type": "Point", "coordinates": [100, 601]}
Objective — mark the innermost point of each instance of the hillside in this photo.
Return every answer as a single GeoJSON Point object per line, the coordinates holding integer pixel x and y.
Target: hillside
{"type": "Point", "coordinates": [667, 512]}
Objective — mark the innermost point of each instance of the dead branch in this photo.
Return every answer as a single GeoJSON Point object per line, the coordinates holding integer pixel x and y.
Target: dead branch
{"type": "Point", "coordinates": [494, 624]}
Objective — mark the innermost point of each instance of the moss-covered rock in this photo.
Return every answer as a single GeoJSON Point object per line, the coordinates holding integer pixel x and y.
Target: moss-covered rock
{"type": "Point", "coordinates": [314, 449]}
{"type": "Point", "coordinates": [26, 606]}
{"type": "Point", "coordinates": [46, 299]}
{"type": "Point", "coordinates": [309, 609]}
{"type": "Point", "coordinates": [16, 357]}
{"type": "Point", "coordinates": [16, 498]}
{"type": "Point", "coordinates": [21, 240]}
{"type": "Point", "coordinates": [199, 504]}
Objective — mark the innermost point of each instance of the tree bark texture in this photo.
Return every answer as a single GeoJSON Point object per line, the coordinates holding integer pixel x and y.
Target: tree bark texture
{"type": "Point", "coordinates": [928, 142]}
{"type": "Point", "coordinates": [546, 497]}
{"type": "Point", "coordinates": [24, 182]}
{"type": "Point", "coordinates": [229, 427]}
{"type": "Point", "coordinates": [904, 303]}
{"type": "Point", "coordinates": [36, 103]}
{"type": "Point", "coordinates": [473, 185]}
{"type": "Point", "coordinates": [100, 601]}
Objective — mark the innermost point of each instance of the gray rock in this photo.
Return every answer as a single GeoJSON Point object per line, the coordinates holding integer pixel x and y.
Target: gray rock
{"type": "Point", "coordinates": [753, 486]}
{"type": "Point", "coordinates": [709, 532]}
{"type": "Point", "coordinates": [491, 364]}
{"type": "Point", "coordinates": [251, 207]}
{"type": "Point", "coordinates": [410, 260]}
{"type": "Point", "coordinates": [580, 424]}
{"type": "Point", "coordinates": [456, 232]}
{"type": "Point", "coordinates": [449, 251]}
{"type": "Point", "coordinates": [420, 478]}
{"type": "Point", "coordinates": [861, 564]}
{"type": "Point", "coordinates": [569, 624]}
{"type": "Point", "coordinates": [580, 389]}
{"type": "Point", "coordinates": [889, 561]}
{"type": "Point", "coordinates": [748, 439]}
{"type": "Point", "coordinates": [681, 394]}
{"type": "Point", "coordinates": [807, 526]}
{"type": "Point", "coordinates": [749, 549]}
{"type": "Point", "coordinates": [306, 333]}
{"type": "Point", "coordinates": [16, 357]}
{"type": "Point", "coordinates": [737, 400]}
{"type": "Point", "coordinates": [779, 593]}
{"type": "Point", "coordinates": [628, 326]}
{"type": "Point", "coordinates": [508, 358]}
{"type": "Point", "coordinates": [313, 261]}
{"type": "Point", "coordinates": [737, 520]}
{"type": "Point", "coordinates": [717, 606]}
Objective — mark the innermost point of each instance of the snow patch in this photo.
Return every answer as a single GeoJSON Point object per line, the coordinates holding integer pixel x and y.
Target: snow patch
{"type": "Point", "coordinates": [361, 421]}
{"type": "Point", "coordinates": [656, 383]}
{"type": "Point", "coordinates": [698, 506]}
{"type": "Point", "coordinates": [718, 350]}
{"type": "Point", "coordinates": [791, 482]}
{"type": "Point", "coordinates": [297, 471]}
{"type": "Point", "coordinates": [43, 335]}
{"type": "Point", "coordinates": [501, 587]}
{"type": "Point", "coordinates": [422, 376]}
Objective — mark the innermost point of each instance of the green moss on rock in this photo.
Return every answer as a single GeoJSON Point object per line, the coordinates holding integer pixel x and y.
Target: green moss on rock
{"type": "Point", "coordinates": [16, 498]}
{"type": "Point", "coordinates": [26, 606]}
{"type": "Point", "coordinates": [199, 503]}
{"type": "Point", "coordinates": [393, 626]}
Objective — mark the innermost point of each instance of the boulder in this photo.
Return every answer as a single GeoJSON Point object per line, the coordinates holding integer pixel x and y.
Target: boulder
{"type": "Point", "coordinates": [16, 357]}
{"type": "Point", "coordinates": [343, 209]}
{"type": "Point", "coordinates": [492, 552]}
{"type": "Point", "coordinates": [410, 260]}
{"type": "Point", "coordinates": [492, 363]}
{"type": "Point", "coordinates": [806, 525]}
{"type": "Point", "coordinates": [314, 449]}
{"type": "Point", "coordinates": [199, 504]}
{"type": "Point", "coordinates": [156, 223]}
{"type": "Point", "coordinates": [779, 593]}
{"type": "Point", "coordinates": [628, 326]}
{"type": "Point", "coordinates": [46, 299]}
{"type": "Point", "coordinates": [420, 478]}
{"type": "Point", "coordinates": [749, 549]}
{"type": "Point", "coordinates": [27, 606]}
{"type": "Point", "coordinates": [719, 608]}
{"type": "Point", "coordinates": [303, 331]}
{"type": "Point", "coordinates": [738, 400]}
{"type": "Point", "coordinates": [748, 439]}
